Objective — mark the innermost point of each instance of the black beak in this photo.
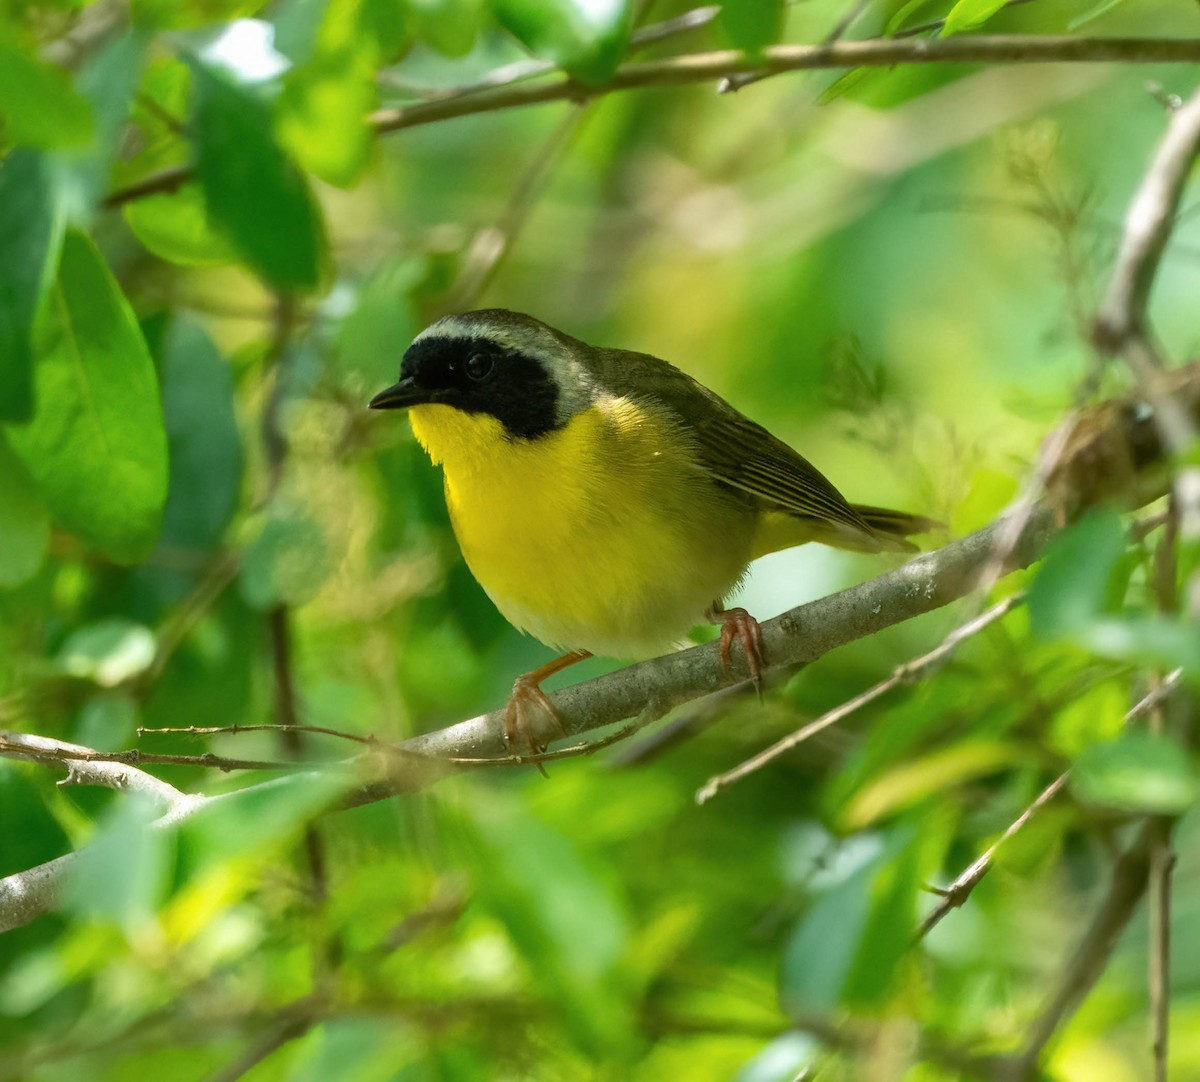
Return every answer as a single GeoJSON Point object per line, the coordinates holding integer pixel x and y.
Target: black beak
{"type": "Point", "coordinates": [399, 396]}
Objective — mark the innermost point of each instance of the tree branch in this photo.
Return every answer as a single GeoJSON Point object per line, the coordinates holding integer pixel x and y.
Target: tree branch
{"type": "Point", "coordinates": [82, 769]}
{"type": "Point", "coordinates": [488, 97]}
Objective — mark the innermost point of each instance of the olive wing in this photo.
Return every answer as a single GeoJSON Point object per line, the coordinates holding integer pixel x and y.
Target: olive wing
{"type": "Point", "coordinates": [731, 448]}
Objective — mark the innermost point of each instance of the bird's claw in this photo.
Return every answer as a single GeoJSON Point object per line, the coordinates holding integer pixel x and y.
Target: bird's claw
{"type": "Point", "coordinates": [528, 710]}
{"type": "Point", "coordinates": [738, 624]}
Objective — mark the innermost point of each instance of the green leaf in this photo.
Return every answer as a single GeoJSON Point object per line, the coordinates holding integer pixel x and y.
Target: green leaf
{"type": "Point", "coordinates": [323, 112]}
{"type": "Point", "coordinates": [1136, 772]}
{"type": "Point", "coordinates": [449, 26]}
{"type": "Point", "coordinates": [37, 102]}
{"type": "Point", "coordinates": [1103, 8]}
{"type": "Point", "coordinates": [968, 14]}
{"type": "Point", "coordinates": [287, 563]}
{"type": "Point", "coordinates": [24, 520]}
{"type": "Point", "coordinates": [96, 445]}
{"type": "Point", "coordinates": [121, 876]}
{"type": "Point", "coordinates": [1071, 587]}
{"type": "Point", "coordinates": [202, 437]}
{"type": "Point", "coordinates": [751, 24]}
{"type": "Point", "coordinates": [846, 948]}
{"type": "Point", "coordinates": [31, 224]}
{"type": "Point", "coordinates": [176, 228]}
{"type": "Point", "coordinates": [587, 38]}
{"type": "Point", "coordinates": [251, 187]}
{"type": "Point", "coordinates": [559, 912]}
{"type": "Point", "coordinates": [1144, 640]}
{"type": "Point", "coordinates": [248, 821]}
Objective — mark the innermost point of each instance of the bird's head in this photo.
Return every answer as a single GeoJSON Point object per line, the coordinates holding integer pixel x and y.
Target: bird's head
{"type": "Point", "coordinates": [528, 376]}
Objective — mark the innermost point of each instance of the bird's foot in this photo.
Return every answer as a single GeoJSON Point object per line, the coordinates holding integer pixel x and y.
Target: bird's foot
{"type": "Point", "coordinates": [738, 624]}
{"type": "Point", "coordinates": [530, 714]}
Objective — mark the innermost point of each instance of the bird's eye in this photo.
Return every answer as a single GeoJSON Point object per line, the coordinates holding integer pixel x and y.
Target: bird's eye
{"type": "Point", "coordinates": [478, 366]}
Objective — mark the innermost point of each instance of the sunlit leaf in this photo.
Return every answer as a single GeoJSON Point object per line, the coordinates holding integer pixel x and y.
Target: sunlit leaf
{"type": "Point", "coordinates": [39, 106]}
{"type": "Point", "coordinates": [30, 235]}
{"type": "Point", "coordinates": [968, 14]}
{"type": "Point", "coordinates": [176, 228]}
{"type": "Point", "coordinates": [586, 38]}
{"type": "Point", "coordinates": [1136, 772]}
{"type": "Point", "coordinates": [449, 26]}
{"type": "Point", "coordinates": [96, 445]}
{"type": "Point", "coordinates": [751, 24]}
{"type": "Point", "coordinates": [940, 770]}
{"type": "Point", "coordinates": [24, 520]}
{"type": "Point", "coordinates": [323, 112]}
{"type": "Point", "coordinates": [251, 187]}
{"type": "Point", "coordinates": [108, 653]}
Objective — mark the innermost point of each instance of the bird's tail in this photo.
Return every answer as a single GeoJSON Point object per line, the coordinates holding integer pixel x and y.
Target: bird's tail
{"type": "Point", "coordinates": [891, 528]}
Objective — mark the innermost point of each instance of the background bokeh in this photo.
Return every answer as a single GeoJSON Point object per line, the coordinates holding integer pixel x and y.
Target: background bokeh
{"type": "Point", "coordinates": [892, 269]}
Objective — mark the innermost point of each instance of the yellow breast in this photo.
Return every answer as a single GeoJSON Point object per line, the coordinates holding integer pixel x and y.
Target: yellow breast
{"type": "Point", "coordinates": [600, 536]}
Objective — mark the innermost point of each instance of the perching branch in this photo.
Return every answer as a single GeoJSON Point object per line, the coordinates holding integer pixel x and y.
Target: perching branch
{"type": "Point", "coordinates": [713, 66]}
{"type": "Point", "coordinates": [903, 674]}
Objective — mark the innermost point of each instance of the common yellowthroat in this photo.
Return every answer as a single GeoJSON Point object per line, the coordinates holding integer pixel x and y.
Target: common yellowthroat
{"type": "Point", "coordinates": [606, 501]}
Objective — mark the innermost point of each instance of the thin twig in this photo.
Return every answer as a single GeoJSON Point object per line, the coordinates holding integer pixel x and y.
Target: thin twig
{"type": "Point", "coordinates": [953, 896]}
{"type": "Point", "coordinates": [215, 730]}
{"type": "Point", "coordinates": [82, 769]}
{"type": "Point", "coordinates": [1148, 224]}
{"type": "Point", "coordinates": [903, 674]}
{"type": "Point", "coordinates": [710, 67]}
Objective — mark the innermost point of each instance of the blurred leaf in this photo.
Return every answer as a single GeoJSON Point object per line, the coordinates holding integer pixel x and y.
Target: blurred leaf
{"type": "Point", "coordinates": [390, 26]}
{"type": "Point", "coordinates": [31, 224]}
{"type": "Point", "coordinates": [39, 105]}
{"type": "Point", "coordinates": [287, 563]}
{"type": "Point", "coordinates": [559, 912]}
{"type": "Point", "coordinates": [1071, 587]}
{"type": "Point", "coordinates": [1103, 8]}
{"type": "Point", "coordinates": [751, 24]}
{"type": "Point", "coordinates": [251, 187]}
{"type": "Point", "coordinates": [24, 520]}
{"type": "Point", "coordinates": [107, 722]}
{"type": "Point", "coordinates": [449, 26]}
{"type": "Point", "coordinates": [203, 438]}
{"type": "Point", "coordinates": [109, 652]}
{"type": "Point", "coordinates": [349, 1050]}
{"type": "Point", "coordinates": [379, 328]}
{"type": "Point", "coordinates": [846, 947]}
{"type": "Point", "coordinates": [586, 38]}
{"type": "Point", "coordinates": [1145, 640]}
{"type": "Point", "coordinates": [96, 445]}
{"type": "Point", "coordinates": [323, 112]}
{"type": "Point", "coordinates": [40, 837]}
{"type": "Point", "coordinates": [785, 1059]}
{"type": "Point", "coordinates": [968, 14]}
{"type": "Point", "coordinates": [171, 14]}
{"type": "Point", "coordinates": [108, 82]}
{"type": "Point", "coordinates": [249, 821]}
{"type": "Point", "coordinates": [1136, 772]}
{"type": "Point", "coordinates": [939, 771]}
{"type": "Point", "coordinates": [176, 228]}
{"type": "Point", "coordinates": [121, 875]}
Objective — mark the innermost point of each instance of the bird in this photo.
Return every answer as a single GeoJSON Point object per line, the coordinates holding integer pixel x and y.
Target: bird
{"type": "Point", "coordinates": [607, 502]}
